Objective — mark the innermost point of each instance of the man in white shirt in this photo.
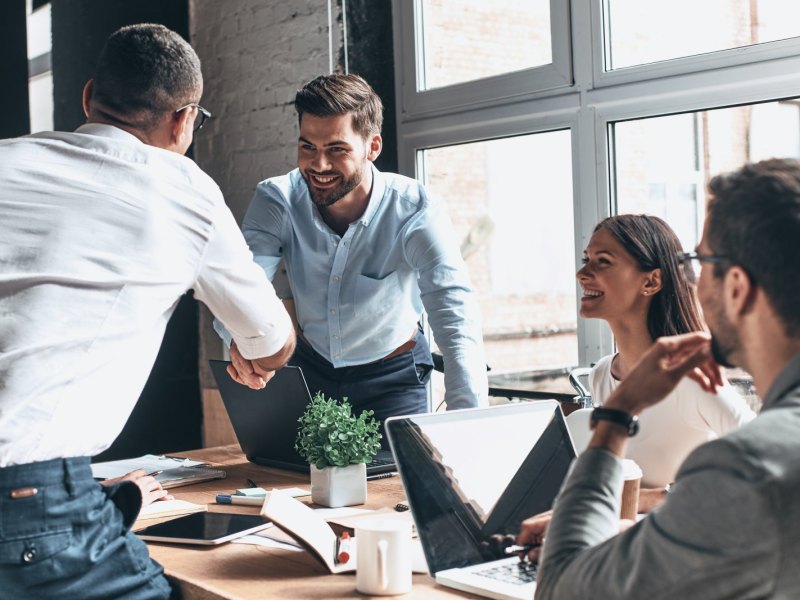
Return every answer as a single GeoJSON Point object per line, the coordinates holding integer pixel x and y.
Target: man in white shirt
{"type": "Point", "coordinates": [103, 230]}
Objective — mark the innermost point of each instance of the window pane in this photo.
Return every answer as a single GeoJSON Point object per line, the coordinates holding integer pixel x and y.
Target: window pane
{"type": "Point", "coordinates": [510, 201]}
{"type": "Point", "coordinates": [644, 32]}
{"type": "Point", "coordinates": [465, 40]}
{"type": "Point", "coordinates": [664, 163]}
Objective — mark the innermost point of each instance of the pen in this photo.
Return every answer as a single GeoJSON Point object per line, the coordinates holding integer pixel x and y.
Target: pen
{"type": "Point", "coordinates": [381, 476]}
{"type": "Point", "coordinates": [515, 549]}
{"type": "Point", "coordinates": [343, 554]}
{"type": "Point", "coordinates": [247, 500]}
{"type": "Point", "coordinates": [154, 473]}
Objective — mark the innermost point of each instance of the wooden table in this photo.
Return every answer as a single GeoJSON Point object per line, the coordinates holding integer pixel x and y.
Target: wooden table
{"type": "Point", "coordinates": [248, 571]}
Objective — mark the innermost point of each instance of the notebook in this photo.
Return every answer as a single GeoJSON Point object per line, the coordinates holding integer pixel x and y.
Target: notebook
{"type": "Point", "coordinates": [469, 474]}
{"type": "Point", "coordinates": [265, 420]}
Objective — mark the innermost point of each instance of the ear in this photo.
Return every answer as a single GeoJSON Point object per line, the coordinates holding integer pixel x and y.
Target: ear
{"type": "Point", "coordinates": [652, 283]}
{"type": "Point", "coordinates": [374, 147]}
{"type": "Point", "coordinates": [88, 90]}
{"type": "Point", "coordinates": [739, 293]}
{"type": "Point", "coordinates": [181, 129]}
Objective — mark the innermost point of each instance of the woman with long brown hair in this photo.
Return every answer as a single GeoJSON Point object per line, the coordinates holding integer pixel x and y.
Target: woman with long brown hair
{"type": "Point", "coordinates": [632, 279]}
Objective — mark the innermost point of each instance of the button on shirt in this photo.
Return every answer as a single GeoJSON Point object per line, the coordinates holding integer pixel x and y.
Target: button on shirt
{"type": "Point", "coordinates": [359, 296]}
{"type": "Point", "coordinates": [100, 236]}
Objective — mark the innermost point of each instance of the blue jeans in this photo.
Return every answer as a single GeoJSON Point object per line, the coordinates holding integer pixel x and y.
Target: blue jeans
{"type": "Point", "coordinates": [393, 386]}
{"type": "Point", "coordinates": [71, 538]}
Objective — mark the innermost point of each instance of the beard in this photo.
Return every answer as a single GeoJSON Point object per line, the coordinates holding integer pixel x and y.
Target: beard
{"type": "Point", "coordinates": [330, 196]}
{"type": "Point", "coordinates": [724, 340]}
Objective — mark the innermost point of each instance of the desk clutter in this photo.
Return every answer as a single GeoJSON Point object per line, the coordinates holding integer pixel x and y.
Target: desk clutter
{"type": "Point", "coordinates": [169, 471]}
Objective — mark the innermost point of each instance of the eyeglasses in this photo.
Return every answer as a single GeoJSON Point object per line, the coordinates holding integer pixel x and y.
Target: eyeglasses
{"type": "Point", "coordinates": [202, 117]}
{"type": "Point", "coordinates": [690, 262]}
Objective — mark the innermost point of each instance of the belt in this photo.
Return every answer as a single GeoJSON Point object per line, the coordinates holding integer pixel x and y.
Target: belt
{"type": "Point", "coordinates": [404, 347]}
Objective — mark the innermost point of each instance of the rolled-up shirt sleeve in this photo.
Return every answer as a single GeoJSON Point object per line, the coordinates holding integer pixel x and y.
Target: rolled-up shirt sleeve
{"type": "Point", "coordinates": [239, 294]}
{"type": "Point", "coordinates": [696, 545]}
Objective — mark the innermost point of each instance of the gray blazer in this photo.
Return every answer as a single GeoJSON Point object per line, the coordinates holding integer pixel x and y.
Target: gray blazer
{"type": "Point", "coordinates": [729, 529]}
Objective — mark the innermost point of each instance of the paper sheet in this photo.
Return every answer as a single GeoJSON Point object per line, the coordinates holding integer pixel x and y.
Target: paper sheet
{"type": "Point", "coordinates": [148, 462]}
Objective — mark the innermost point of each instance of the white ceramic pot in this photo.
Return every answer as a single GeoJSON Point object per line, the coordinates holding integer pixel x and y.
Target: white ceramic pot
{"type": "Point", "coordinates": [339, 486]}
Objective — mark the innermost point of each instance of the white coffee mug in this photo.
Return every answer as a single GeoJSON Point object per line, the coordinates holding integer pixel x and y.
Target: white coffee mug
{"type": "Point", "coordinates": [383, 549]}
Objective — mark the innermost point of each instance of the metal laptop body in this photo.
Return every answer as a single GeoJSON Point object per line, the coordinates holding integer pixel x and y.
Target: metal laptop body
{"type": "Point", "coordinates": [265, 421]}
{"type": "Point", "coordinates": [469, 474]}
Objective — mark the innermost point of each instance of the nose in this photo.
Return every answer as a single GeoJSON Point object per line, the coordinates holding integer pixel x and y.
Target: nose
{"type": "Point", "coordinates": [320, 162]}
{"type": "Point", "coordinates": [583, 273]}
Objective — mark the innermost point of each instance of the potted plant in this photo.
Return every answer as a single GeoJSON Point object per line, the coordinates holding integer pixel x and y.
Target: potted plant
{"type": "Point", "coordinates": [337, 445]}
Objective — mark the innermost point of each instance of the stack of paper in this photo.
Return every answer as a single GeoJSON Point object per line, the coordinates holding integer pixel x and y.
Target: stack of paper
{"type": "Point", "coordinates": [169, 508]}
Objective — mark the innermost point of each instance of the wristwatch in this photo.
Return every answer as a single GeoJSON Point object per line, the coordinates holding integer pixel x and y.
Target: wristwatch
{"type": "Point", "coordinates": [620, 417]}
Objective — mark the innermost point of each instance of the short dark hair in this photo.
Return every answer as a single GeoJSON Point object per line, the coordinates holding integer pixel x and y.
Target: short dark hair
{"type": "Point", "coordinates": [337, 94]}
{"type": "Point", "coordinates": [144, 72]}
{"type": "Point", "coordinates": [754, 221]}
{"type": "Point", "coordinates": [653, 245]}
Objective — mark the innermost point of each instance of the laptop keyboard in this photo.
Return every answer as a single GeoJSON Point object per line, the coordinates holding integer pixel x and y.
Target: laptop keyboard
{"type": "Point", "coordinates": [518, 573]}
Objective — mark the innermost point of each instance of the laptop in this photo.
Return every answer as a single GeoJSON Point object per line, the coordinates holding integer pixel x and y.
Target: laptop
{"type": "Point", "coordinates": [265, 420]}
{"type": "Point", "coordinates": [469, 474]}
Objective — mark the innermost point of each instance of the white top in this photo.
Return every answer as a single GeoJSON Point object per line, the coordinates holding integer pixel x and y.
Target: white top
{"type": "Point", "coordinates": [100, 236]}
{"type": "Point", "coordinates": [671, 429]}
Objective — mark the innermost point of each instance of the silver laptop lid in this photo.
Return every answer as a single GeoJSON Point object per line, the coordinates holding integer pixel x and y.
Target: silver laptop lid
{"type": "Point", "coordinates": [469, 474]}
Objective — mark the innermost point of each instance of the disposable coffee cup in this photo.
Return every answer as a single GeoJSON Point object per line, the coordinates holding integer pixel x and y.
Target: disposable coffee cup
{"type": "Point", "coordinates": [632, 475]}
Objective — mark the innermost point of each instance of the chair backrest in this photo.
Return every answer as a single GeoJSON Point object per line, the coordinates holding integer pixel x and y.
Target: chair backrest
{"type": "Point", "coordinates": [578, 425]}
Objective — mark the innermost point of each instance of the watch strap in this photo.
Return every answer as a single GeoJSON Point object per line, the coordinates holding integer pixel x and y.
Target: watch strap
{"type": "Point", "coordinates": [619, 417]}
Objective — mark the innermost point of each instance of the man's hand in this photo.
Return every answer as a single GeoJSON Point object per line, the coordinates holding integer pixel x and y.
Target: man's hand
{"type": "Point", "coordinates": [149, 486]}
{"type": "Point", "coordinates": [532, 531]}
{"type": "Point", "coordinates": [247, 372]}
{"type": "Point", "coordinates": [660, 369]}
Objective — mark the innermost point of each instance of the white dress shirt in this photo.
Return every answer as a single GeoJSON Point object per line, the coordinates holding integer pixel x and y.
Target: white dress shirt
{"type": "Point", "coordinates": [100, 236]}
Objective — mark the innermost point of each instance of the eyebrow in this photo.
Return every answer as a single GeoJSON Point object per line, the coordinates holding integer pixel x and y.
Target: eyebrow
{"type": "Point", "coordinates": [601, 251]}
{"type": "Point", "coordinates": [328, 145]}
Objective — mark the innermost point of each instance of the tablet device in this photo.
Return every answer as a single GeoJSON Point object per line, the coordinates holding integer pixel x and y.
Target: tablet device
{"type": "Point", "coordinates": [207, 528]}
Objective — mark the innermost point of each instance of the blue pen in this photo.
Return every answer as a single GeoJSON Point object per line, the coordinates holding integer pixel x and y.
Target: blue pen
{"type": "Point", "coordinates": [246, 500]}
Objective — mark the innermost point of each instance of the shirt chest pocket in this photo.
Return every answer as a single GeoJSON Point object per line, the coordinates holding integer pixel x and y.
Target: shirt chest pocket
{"type": "Point", "coordinates": [374, 296]}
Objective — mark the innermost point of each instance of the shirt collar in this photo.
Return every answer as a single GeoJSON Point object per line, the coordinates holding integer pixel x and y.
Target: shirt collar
{"type": "Point", "coordinates": [375, 197]}
{"type": "Point", "coordinates": [788, 378]}
{"type": "Point", "coordinates": [107, 131]}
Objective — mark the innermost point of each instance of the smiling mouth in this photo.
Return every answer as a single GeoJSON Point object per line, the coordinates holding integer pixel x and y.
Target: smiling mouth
{"type": "Point", "coordinates": [591, 294]}
{"type": "Point", "coordinates": [322, 180]}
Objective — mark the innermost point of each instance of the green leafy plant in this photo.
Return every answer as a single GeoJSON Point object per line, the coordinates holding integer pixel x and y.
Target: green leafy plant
{"type": "Point", "coordinates": [331, 436]}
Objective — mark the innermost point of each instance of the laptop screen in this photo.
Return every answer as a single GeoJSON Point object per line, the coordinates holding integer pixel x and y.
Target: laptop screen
{"type": "Point", "coordinates": [469, 474]}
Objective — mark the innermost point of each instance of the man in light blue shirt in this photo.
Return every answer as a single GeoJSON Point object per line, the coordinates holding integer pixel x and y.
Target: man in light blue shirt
{"type": "Point", "coordinates": [365, 253]}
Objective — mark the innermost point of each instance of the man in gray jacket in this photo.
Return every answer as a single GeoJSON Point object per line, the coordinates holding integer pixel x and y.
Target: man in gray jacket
{"type": "Point", "coordinates": [730, 527]}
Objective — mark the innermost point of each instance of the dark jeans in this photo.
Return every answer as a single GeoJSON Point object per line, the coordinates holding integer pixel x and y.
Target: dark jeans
{"type": "Point", "coordinates": [71, 538]}
{"type": "Point", "coordinates": [393, 386]}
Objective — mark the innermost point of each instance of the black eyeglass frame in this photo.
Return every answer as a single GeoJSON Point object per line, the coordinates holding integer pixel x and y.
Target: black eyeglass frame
{"type": "Point", "coordinates": [204, 114]}
{"type": "Point", "coordinates": [686, 258]}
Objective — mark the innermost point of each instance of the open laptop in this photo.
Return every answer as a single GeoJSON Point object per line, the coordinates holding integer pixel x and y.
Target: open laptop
{"type": "Point", "coordinates": [469, 474]}
{"type": "Point", "coordinates": [265, 421]}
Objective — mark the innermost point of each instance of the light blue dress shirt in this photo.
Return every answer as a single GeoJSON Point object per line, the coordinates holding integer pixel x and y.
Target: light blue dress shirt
{"type": "Point", "coordinates": [360, 295]}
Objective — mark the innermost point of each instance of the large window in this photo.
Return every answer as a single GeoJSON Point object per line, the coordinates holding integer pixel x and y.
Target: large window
{"type": "Point", "coordinates": [40, 74]}
{"type": "Point", "coordinates": [520, 263]}
{"type": "Point", "coordinates": [640, 104]}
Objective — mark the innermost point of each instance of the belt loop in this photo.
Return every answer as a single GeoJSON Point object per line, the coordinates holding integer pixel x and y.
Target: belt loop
{"type": "Point", "coordinates": [68, 477]}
